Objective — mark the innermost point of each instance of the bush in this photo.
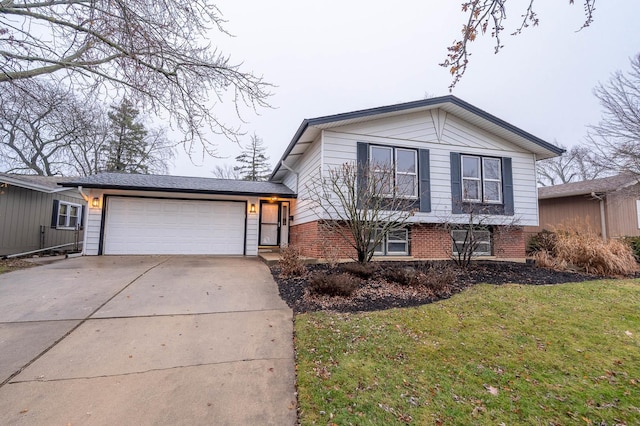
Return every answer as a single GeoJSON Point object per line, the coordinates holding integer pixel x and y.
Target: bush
{"type": "Point", "coordinates": [542, 241]}
{"type": "Point", "coordinates": [342, 284]}
{"type": "Point", "coordinates": [364, 271]}
{"type": "Point", "coordinates": [290, 263]}
{"type": "Point", "coordinates": [583, 250]}
{"type": "Point", "coordinates": [634, 244]}
{"type": "Point", "coordinates": [400, 275]}
{"type": "Point", "coordinates": [438, 277]}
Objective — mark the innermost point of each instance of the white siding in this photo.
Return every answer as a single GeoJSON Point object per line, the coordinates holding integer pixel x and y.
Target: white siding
{"type": "Point", "coordinates": [419, 131]}
{"type": "Point", "coordinates": [308, 168]}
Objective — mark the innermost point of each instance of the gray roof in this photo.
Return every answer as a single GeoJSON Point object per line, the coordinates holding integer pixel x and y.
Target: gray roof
{"type": "Point", "coordinates": [310, 128]}
{"type": "Point", "coordinates": [47, 184]}
{"type": "Point", "coordinates": [597, 186]}
{"type": "Point", "coordinates": [164, 183]}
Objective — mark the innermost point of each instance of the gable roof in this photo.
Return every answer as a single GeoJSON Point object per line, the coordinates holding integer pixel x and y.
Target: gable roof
{"type": "Point", "coordinates": [587, 187]}
{"type": "Point", "coordinates": [310, 128]}
{"type": "Point", "coordinates": [46, 184]}
{"type": "Point", "coordinates": [193, 185]}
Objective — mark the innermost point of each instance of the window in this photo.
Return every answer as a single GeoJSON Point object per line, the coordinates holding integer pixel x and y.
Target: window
{"type": "Point", "coordinates": [481, 179]}
{"type": "Point", "coordinates": [395, 243]}
{"type": "Point", "coordinates": [395, 170]}
{"type": "Point", "coordinates": [478, 240]}
{"type": "Point", "coordinates": [69, 215]}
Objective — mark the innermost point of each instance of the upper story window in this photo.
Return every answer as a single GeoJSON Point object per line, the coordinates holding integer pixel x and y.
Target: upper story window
{"type": "Point", "coordinates": [394, 170]}
{"type": "Point", "coordinates": [481, 179]}
{"type": "Point", "coordinates": [68, 215]}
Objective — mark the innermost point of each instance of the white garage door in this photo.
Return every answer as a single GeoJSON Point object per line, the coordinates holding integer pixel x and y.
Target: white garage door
{"type": "Point", "coordinates": [158, 226]}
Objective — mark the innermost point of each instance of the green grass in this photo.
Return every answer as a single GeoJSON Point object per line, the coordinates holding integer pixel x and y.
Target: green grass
{"type": "Point", "coordinates": [512, 354]}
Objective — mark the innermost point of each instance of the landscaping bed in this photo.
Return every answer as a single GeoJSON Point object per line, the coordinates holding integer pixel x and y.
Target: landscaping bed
{"type": "Point", "coordinates": [8, 265]}
{"type": "Point", "coordinates": [403, 284]}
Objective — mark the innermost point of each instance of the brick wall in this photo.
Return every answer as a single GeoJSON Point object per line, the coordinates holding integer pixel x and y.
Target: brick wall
{"type": "Point", "coordinates": [509, 243]}
{"type": "Point", "coordinates": [427, 241]}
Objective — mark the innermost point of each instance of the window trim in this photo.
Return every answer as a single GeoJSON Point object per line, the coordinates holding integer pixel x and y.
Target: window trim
{"type": "Point", "coordinates": [384, 243]}
{"type": "Point", "coordinates": [394, 164]}
{"type": "Point", "coordinates": [482, 179]}
{"type": "Point", "coordinates": [68, 215]}
{"type": "Point", "coordinates": [489, 241]}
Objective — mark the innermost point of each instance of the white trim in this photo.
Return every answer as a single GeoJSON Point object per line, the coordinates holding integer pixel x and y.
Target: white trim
{"type": "Point", "coordinates": [66, 225]}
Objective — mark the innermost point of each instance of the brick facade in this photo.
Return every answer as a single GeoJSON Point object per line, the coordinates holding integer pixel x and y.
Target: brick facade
{"type": "Point", "coordinates": [427, 241]}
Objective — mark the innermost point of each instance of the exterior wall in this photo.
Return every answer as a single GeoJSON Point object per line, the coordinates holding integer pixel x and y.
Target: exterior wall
{"type": "Point", "coordinates": [622, 213]}
{"type": "Point", "coordinates": [441, 133]}
{"type": "Point", "coordinates": [581, 211]}
{"type": "Point", "coordinates": [26, 213]}
{"type": "Point", "coordinates": [308, 168]}
{"type": "Point", "coordinates": [95, 216]}
{"type": "Point", "coordinates": [427, 241]}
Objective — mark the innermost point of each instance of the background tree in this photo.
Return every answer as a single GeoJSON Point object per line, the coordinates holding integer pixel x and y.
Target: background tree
{"type": "Point", "coordinates": [254, 163]}
{"type": "Point", "coordinates": [131, 148]}
{"type": "Point", "coordinates": [617, 135]}
{"type": "Point", "coordinates": [225, 171]}
{"type": "Point", "coordinates": [38, 122]}
{"type": "Point", "coordinates": [156, 52]}
{"type": "Point", "coordinates": [488, 16]}
{"type": "Point", "coordinates": [577, 164]}
{"type": "Point", "coordinates": [360, 205]}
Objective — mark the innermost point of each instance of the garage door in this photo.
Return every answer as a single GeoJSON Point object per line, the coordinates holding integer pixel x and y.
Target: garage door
{"type": "Point", "coordinates": [159, 226]}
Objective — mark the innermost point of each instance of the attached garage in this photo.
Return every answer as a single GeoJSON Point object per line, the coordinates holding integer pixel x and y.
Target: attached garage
{"type": "Point", "coordinates": [136, 225]}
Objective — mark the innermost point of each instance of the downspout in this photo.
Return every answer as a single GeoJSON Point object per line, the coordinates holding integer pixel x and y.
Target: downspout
{"type": "Point", "coordinates": [603, 219]}
{"type": "Point", "coordinates": [86, 219]}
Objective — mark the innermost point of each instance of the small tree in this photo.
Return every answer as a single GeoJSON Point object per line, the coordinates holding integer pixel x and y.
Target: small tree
{"type": "Point", "coordinates": [254, 163]}
{"type": "Point", "coordinates": [361, 205]}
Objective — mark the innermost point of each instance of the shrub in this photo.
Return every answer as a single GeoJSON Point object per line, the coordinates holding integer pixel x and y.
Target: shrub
{"type": "Point", "coordinates": [583, 250]}
{"type": "Point", "coordinates": [290, 263]}
{"type": "Point", "coordinates": [634, 244]}
{"type": "Point", "coordinates": [542, 241]}
{"type": "Point", "coordinates": [364, 271]}
{"type": "Point", "coordinates": [341, 284]}
{"type": "Point", "coordinates": [438, 277]}
{"type": "Point", "coordinates": [400, 275]}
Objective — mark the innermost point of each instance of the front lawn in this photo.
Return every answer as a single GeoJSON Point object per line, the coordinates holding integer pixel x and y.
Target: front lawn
{"type": "Point", "coordinates": [510, 354]}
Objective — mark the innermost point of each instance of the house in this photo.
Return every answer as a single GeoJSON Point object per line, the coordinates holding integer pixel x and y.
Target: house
{"type": "Point", "coordinates": [609, 206]}
{"type": "Point", "coordinates": [460, 159]}
{"type": "Point", "coordinates": [39, 214]}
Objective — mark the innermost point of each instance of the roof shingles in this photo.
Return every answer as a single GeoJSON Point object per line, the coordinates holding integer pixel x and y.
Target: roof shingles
{"type": "Point", "coordinates": [164, 183]}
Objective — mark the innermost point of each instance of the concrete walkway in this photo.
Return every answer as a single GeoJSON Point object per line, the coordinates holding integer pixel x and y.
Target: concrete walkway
{"type": "Point", "coordinates": [145, 340]}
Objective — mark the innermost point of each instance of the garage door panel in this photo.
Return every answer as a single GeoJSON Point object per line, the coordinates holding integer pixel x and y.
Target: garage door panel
{"type": "Point", "coordinates": [159, 226]}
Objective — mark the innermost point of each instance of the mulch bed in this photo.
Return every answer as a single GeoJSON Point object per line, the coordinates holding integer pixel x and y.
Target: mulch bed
{"type": "Point", "coordinates": [379, 294]}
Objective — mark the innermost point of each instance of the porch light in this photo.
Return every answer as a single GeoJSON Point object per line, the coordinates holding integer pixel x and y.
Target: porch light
{"type": "Point", "coordinates": [95, 202]}
{"type": "Point", "coordinates": [252, 209]}
{"type": "Point", "coordinates": [274, 199]}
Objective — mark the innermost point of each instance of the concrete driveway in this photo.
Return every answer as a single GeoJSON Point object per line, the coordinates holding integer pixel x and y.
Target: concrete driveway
{"type": "Point", "coordinates": [145, 340]}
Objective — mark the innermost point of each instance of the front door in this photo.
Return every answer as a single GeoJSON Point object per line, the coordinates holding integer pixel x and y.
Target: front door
{"type": "Point", "coordinates": [269, 224]}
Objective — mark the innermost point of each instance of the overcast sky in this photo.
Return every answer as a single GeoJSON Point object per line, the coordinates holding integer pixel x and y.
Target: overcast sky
{"type": "Point", "coordinates": [334, 56]}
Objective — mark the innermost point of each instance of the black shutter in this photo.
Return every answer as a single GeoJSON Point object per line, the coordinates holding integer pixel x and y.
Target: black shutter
{"type": "Point", "coordinates": [456, 183]}
{"type": "Point", "coordinates": [54, 213]}
{"type": "Point", "coordinates": [425, 180]}
{"type": "Point", "coordinates": [361, 164]}
{"type": "Point", "coordinates": [507, 186]}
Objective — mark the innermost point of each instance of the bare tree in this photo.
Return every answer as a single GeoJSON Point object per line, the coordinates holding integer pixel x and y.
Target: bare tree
{"type": "Point", "coordinates": [153, 51]}
{"type": "Point", "coordinates": [617, 136]}
{"type": "Point", "coordinates": [225, 171]}
{"type": "Point", "coordinates": [488, 16]}
{"type": "Point", "coordinates": [361, 205]}
{"type": "Point", "coordinates": [577, 164]}
{"type": "Point", "coordinates": [37, 123]}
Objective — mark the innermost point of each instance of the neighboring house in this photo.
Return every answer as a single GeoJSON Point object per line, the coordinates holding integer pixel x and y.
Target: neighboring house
{"type": "Point", "coordinates": [462, 160]}
{"type": "Point", "coordinates": [608, 206]}
{"type": "Point", "coordinates": [36, 213]}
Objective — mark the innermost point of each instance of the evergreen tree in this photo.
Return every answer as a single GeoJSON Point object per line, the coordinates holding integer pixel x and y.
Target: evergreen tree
{"type": "Point", "coordinates": [254, 163]}
{"type": "Point", "coordinates": [126, 148]}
